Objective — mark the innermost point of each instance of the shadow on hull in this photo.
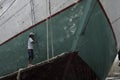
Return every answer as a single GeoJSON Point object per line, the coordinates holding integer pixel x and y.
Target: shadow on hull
{"type": "Point", "coordinates": [67, 66]}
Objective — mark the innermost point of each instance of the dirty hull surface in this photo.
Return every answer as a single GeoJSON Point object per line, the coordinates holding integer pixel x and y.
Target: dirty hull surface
{"type": "Point", "coordinates": [68, 66]}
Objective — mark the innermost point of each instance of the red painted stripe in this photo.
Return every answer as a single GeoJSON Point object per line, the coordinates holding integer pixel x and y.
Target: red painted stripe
{"type": "Point", "coordinates": [108, 22]}
{"type": "Point", "coordinates": [40, 22]}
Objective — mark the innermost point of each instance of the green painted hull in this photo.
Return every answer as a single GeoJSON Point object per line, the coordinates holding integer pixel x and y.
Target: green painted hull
{"type": "Point", "coordinates": [82, 27]}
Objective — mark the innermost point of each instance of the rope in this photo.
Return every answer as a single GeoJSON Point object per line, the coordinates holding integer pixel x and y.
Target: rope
{"type": "Point", "coordinates": [47, 36]}
{"type": "Point", "coordinates": [19, 74]}
{"type": "Point", "coordinates": [116, 20]}
{"type": "Point", "coordinates": [13, 15]}
{"type": "Point", "coordinates": [32, 12]}
{"type": "Point", "coordinates": [51, 31]}
{"type": "Point", "coordinates": [7, 8]}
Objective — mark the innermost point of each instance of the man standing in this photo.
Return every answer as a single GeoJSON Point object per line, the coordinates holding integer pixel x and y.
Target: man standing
{"type": "Point", "coordinates": [30, 48]}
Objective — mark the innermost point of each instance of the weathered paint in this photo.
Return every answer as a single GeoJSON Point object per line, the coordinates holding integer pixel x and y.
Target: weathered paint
{"type": "Point", "coordinates": [82, 28]}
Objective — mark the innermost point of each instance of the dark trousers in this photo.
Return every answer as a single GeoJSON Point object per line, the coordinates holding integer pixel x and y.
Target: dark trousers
{"type": "Point", "coordinates": [31, 55]}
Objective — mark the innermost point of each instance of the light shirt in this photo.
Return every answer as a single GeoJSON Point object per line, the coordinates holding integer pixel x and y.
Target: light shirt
{"type": "Point", "coordinates": [30, 43]}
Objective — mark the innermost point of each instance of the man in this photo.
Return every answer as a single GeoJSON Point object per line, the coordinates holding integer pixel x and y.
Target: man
{"type": "Point", "coordinates": [30, 48]}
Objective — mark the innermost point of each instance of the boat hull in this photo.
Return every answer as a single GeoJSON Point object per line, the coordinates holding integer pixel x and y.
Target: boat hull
{"type": "Point", "coordinates": [81, 27]}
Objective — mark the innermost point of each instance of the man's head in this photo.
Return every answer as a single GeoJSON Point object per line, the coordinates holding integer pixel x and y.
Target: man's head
{"type": "Point", "coordinates": [31, 34]}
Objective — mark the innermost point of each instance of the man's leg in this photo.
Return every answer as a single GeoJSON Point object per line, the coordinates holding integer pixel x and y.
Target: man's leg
{"type": "Point", "coordinates": [30, 57]}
